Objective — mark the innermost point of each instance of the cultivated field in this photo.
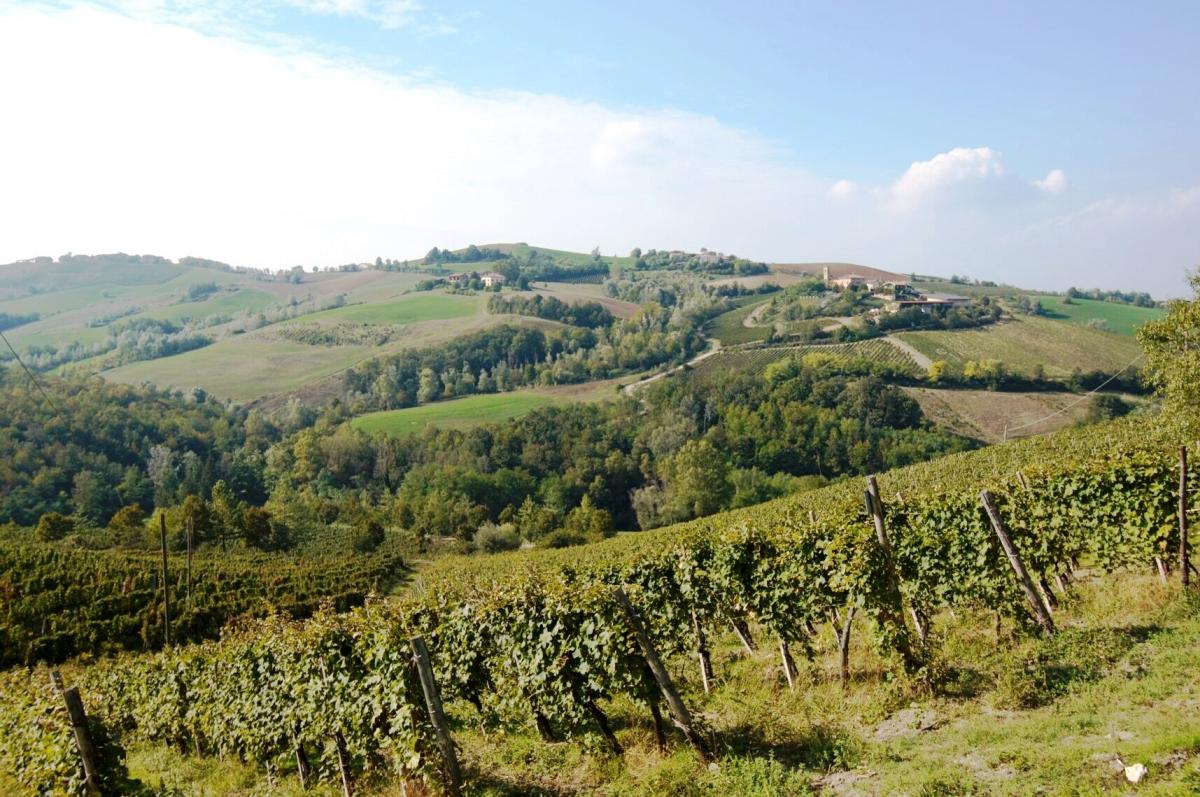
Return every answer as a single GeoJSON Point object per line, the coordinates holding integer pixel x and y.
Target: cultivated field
{"type": "Point", "coordinates": [259, 365]}
{"type": "Point", "coordinates": [755, 361]}
{"type": "Point", "coordinates": [1121, 318]}
{"type": "Point", "coordinates": [408, 310]}
{"type": "Point", "coordinates": [472, 410]}
{"type": "Point", "coordinates": [730, 327]}
{"type": "Point", "coordinates": [993, 416]}
{"type": "Point", "coordinates": [1026, 342]}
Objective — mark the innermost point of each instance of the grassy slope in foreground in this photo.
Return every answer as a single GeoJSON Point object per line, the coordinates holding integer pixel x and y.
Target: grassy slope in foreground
{"type": "Point", "coordinates": [1026, 716]}
{"type": "Point", "coordinates": [1026, 342]}
{"type": "Point", "coordinates": [1122, 318]}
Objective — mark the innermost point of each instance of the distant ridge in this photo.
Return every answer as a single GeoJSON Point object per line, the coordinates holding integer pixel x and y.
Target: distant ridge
{"type": "Point", "coordinates": [837, 270]}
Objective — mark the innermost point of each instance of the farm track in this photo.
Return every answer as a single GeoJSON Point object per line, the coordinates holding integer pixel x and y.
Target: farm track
{"type": "Point", "coordinates": [714, 348]}
{"type": "Point", "coordinates": [919, 358]}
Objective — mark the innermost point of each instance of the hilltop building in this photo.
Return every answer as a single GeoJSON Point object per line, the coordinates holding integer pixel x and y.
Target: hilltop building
{"type": "Point", "coordinates": [927, 301]}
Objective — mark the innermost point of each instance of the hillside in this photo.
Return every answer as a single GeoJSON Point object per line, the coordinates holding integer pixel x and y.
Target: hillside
{"type": "Point", "coordinates": [1105, 683]}
{"type": "Point", "coordinates": [1023, 343]}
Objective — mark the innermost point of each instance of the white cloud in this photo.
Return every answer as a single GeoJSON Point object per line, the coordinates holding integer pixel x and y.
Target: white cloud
{"type": "Point", "coordinates": [842, 189]}
{"type": "Point", "coordinates": [178, 142]}
{"type": "Point", "coordinates": [928, 180]}
{"type": "Point", "coordinates": [230, 15]}
{"type": "Point", "coordinates": [1053, 183]}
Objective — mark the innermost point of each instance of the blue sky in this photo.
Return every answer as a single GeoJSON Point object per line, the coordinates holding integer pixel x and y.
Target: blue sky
{"type": "Point", "coordinates": [1045, 144]}
{"type": "Point", "coordinates": [855, 87]}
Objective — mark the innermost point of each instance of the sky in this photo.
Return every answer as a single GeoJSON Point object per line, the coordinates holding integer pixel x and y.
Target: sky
{"type": "Point", "coordinates": [1040, 144]}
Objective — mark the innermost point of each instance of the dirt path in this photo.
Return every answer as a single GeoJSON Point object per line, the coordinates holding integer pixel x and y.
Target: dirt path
{"type": "Point", "coordinates": [714, 346]}
{"type": "Point", "coordinates": [920, 359]}
{"type": "Point", "coordinates": [841, 321]}
{"type": "Point", "coordinates": [751, 319]}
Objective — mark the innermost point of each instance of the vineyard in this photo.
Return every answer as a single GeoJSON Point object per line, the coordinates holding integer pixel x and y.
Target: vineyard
{"type": "Point", "coordinates": [552, 643]}
{"type": "Point", "coordinates": [58, 603]}
{"type": "Point", "coordinates": [755, 360]}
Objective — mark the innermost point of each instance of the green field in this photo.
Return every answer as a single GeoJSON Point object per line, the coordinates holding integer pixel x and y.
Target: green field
{"type": "Point", "coordinates": [243, 368]}
{"type": "Point", "coordinates": [1026, 342]}
{"type": "Point", "coordinates": [729, 327]}
{"type": "Point", "coordinates": [1123, 319]}
{"type": "Point", "coordinates": [457, 412]}
{"type": "Point", "coordinates": [409, 310]}
{"type": "Point", "coordinates": [231, 303]}
{"type": "Point", "coordinates": [492, 407]}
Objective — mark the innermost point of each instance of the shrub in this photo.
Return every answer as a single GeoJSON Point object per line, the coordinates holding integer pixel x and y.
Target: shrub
{"type": "Point", "coordinates": [491, 538]}
{"type": "Point", "coordinates": [367, 536]}
{"type": "Point", "coordinates": [53, 526]}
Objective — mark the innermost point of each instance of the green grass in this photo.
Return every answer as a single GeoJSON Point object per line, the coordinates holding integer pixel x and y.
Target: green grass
{"type": "Point", "coordinates": [259, 365]}
{"type": "Point", "coordinates": [1026, 342]}
{"type": "Point", "coordinates": [460, 412]}
{"type": "Point", "coordinates": [1123, 319]}
{"type": "Point", "coordinates": [243, 368]}
{"type": "Point", "coordinates": [729, 327]}
{"type": "Point", "coordinates": [409, 310]}
{"type": "Point", "coordinates": [231, 303]}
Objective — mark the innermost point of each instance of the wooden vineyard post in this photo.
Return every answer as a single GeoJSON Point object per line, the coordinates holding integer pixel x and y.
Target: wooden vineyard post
{"type": "Point", "coordinates": [1048, 597]}
{"type": "Point", "coordinates": [894, 614]}
{"type": "Point", "coordinates": [83, 736]}
{"type": "Point", "coordinates": [679, 712]}
{"type": "Point", "coordinates": [1040, 612]}
{"type": "Point", "coordinates": [1184, 564]}
{"type": "Point", "coordinates": [343, 757]}
{"type": "Point", "coordinates": [166, 587]}
{"type": "Point", "coordinates": [875, 505]}
{"type": "Point", "coordinates": [706, 671]}
{"type": "Point", "coordinates": [433, 702]}
{"type": "Point", "coordinates": [844, 645]}
{"type": "Point", "coordinates": [742, 629]}
{"type": "Point", "coordinates": [303, 769]}
{"type": "Point", "coordinates": [789, 664]}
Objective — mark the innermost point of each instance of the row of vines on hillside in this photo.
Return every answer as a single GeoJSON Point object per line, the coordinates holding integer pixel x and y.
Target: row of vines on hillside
{"type": "Point", "coordinates": [336, 694]}
{"type": "Point", "coordinates": [56, 603]}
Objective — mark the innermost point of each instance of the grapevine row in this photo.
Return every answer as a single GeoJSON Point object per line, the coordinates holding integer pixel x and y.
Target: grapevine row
{"type": "Point", "coordinates": [336, 696]}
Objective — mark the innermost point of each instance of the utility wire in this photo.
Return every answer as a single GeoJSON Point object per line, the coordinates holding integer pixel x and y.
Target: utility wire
{"type": "Point", "coordinates": [1081, 399]}
{"type": "Point", "coordinates": [28, 373]}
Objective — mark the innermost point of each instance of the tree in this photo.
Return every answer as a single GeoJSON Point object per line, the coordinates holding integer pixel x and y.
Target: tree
{"type": "Point", "coordinates": [430, 386]}
{"type": "Point", "coordinates": [161, 468]}
{"type": "Point", "coordinates": [257, 528]}
{"type": "Point", "coordinates": [94, 498]}
{"type": "Point", "coordinates": [697, 481]}
{"type": "Point", "coordinates": [128, 526]}
{"type": "Point", "coordinates": [1172, 348]}
{"type": "Point", "coordinates": [53, 526]}
{"type": "Point", "coordinates": [226, 514]}
{"type": "Point", "coordinates": [204, 526]}
{"type": "Point", "coordinates": [135, 487]}
{"type": "Point", "coordinates": [535, 521]}
{"type": "Point", "coordinates": [589, 522]}
{"type": "Point", "coordinates": [367, 536]}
